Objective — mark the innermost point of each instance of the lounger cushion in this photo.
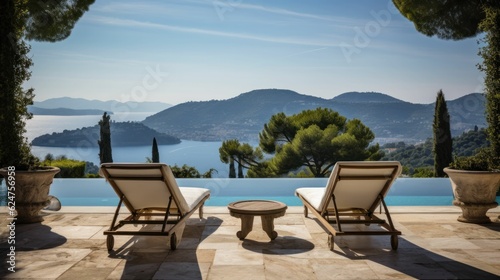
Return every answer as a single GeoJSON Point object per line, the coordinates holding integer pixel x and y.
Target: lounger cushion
{"type": "Point", "coordinates": [193, 196]}
{"type": "Point", "coordinates": [359, 191]}
{"type": "Point", "coordinates": [151, 186]}
{"type": "Point", "coordinates": [312, 195]}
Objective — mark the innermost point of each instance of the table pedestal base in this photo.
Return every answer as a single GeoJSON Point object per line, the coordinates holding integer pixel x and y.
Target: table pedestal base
{"type": "Point", "coordinates": [247, 226]}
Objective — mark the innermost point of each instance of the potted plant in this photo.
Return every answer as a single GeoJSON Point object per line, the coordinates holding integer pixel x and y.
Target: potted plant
{"type": "Point", "coordinates": [27, 182]}
{"type": "Point", "coordinates": [28, 191]}
{"type": "Point", "coordinates": [475, 181]}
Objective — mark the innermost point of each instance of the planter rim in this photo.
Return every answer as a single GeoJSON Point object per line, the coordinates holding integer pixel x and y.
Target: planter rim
{"type": "Point", "coordinates": [452, 170]}
{"type": "Point", "coordinates": [4, 170]}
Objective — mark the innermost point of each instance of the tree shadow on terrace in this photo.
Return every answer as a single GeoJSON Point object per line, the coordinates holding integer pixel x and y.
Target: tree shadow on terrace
{"type": "Point", "coordinates": [25, 237]}
{"type": "Point", "coordinates": [148, 257]}
{"type": "Point", "coordinates": [424, 257]}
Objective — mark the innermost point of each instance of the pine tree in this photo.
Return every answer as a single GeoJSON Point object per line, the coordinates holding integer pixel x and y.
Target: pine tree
{"type": "Point", "coordinates": [442, 136]}
{"type": "Point", "coordinates": [105, 140]}
{"type": "Point", "coordinates": [155, 153]}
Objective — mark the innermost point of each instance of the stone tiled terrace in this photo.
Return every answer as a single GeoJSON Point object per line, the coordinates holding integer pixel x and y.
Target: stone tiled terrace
{"type": "Point", "coordinates": [70, 244]}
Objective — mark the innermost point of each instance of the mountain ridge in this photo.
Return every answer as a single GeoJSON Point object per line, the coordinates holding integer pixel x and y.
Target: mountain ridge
{"type": "Point", "coordinates": [243, 117]}
{"type": "Point", "coordinates": [64, 111]}
{"type": "Point", "coordinates": [108, 106]}
{"type": "Point", "coordinates": [367, 97]}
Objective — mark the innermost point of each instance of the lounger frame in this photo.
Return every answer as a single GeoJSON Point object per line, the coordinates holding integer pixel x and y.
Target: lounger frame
{"type": "Point", "coordinates": [333, 220]}
{"type": "Point", "coordinates": [172, 218]}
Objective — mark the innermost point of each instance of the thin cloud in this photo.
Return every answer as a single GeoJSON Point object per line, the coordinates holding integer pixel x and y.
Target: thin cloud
{"type": "Point", "coordinates": [183, 7]}
{"type": "Point", "coordinates": [280, 11]}
{"type": "Point", "coordinates": [174, 28]}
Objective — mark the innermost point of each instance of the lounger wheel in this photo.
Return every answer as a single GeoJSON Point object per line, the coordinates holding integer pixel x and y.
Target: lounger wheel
{"type": "Point", "coordinates": [330, 242]}
{"type": "Point", "coordinates": [367, 219]}
{"type": "Point", "coordinates": [240, 236]}
{"type": "Point", "coordinates": [173, 241]}
{"type": "Point", "coordinates": [394, 242]}
{"type": "Point", "coordinates": [110, 242]}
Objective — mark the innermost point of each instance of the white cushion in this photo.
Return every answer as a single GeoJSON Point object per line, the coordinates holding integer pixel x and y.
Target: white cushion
{"type": "Point", "coordinates": [193, 195]}
{"type": "Point", "coordinates": [355, 184]}
{"type": "Point", "coordinates": [312, 195]}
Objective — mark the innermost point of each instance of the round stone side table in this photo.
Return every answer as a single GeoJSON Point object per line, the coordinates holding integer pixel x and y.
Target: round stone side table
{"type": "Point", "coordinates": [246, 210]}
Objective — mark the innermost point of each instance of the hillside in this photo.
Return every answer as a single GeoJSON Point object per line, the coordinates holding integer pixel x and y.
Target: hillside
{"type": "Point", "coordinates": [122, 134]}
{"type": "Point", "coordinates": [244, 116]}
{"type": "Point", "coordinates": [420, 155]}
{"type": "Point", "coordinates": [64, 111]}
{"type": "Point", "coordinates": [108, 106]}
{"type": "Point", "coordinates": [365, 97]}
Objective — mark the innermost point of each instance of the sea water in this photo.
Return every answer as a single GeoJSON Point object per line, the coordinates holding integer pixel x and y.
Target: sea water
{"type": "Point", "coordinates": [201, 155]}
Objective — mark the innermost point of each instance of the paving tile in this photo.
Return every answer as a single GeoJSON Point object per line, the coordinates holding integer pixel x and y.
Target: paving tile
{"type": "Point", "coordinates": [129, 270]}
{"type": "Point", "coordinates": [238, 257]}
{"type": "Point", "coordinates": [433, 245]}
{"type": "Point", "coordinates": [40, 270]}
{"type": "Point", "coordinates": [182, 271]}
{"type": "Point", "coordinates": [200, 255]}
{"type": "Point", "coordinates": [342, 269]}
{"type": "Point", "coordinates": [85, 273]}
{"type": "Point", "coordinates": [237, 272]}
{"type": "Point", "coordinates": [287, 268]}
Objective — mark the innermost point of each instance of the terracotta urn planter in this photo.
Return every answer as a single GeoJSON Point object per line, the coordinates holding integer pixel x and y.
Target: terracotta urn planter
{"type": "Point", "coordinates": [474, 192]}
{"type": "Point", "coordinates": [31, 190]}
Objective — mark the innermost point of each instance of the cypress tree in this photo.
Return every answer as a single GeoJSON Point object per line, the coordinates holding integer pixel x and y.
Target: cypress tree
{"type": "Point", "coordinates": [155, 153]}
{"type": "Point", "coordinates": [442, 136]}
{"type": "Point", "coordinates": [105, 140]}
{"type": "Point", "coordinates": [491, 61]}
{"type": "Point", "coordinates": [14, 71]}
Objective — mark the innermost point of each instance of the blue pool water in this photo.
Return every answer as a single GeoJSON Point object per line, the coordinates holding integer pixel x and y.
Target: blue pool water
{"type": "Point", "coordinates": [438, 200]}
{"type": "Point", "coordinates": [404, 192]}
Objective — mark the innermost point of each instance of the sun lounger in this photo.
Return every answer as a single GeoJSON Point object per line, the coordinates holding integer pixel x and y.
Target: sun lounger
{"type": "Point", "coordinates": [354, 191]}
{"type": "Point", "coordinates": [150, 191]}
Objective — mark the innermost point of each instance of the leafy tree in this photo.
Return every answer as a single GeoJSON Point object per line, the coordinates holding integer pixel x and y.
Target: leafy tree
{"type": "Point", "coordinates": [61, 157]}
{"type": "Point", "coordinates": [105, 140]}
{"type": "Point", "coordinates": [453, 20]}
{"type": "Point", "coordinates": [155, 153]}
{"type": "Point", "coordinates": [443, 144]}
{"type": "Point", "coordinates": [423, 172]}
{"type": "Point", "coordinates": [33, 20]}
{"type": "Point", "coordinates": [227, 153]}
{"type": "Point", "coordinates": [48, 158]}
{"type": "Point", "coordinates": [315, 139]}
{"type": "Point", "coordinates": [187, 171]}
{"type": "Point", "coordinates": [248, 157]}
{"type": "Point", "coordinates": [244, 155]}
{"type": "Point", "coordinates": [462, 19]}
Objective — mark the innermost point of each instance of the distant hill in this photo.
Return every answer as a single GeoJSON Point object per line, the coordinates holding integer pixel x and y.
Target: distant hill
{"type": "Point", "coordinates": [365, 97]}
{"type": "Point", "coordinates": [64, 111]}
{"type": "Point", "coordinates": [420, 155]}
{"type": "Point", "coordinates": [122, 134]}
{"type": "Point", "coordinates": [244, 116]}
{"type": "Point", "coordinates": [108, 106]}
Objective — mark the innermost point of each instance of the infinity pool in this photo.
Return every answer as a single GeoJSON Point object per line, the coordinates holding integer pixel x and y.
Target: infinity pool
{"type": "Point", "coordinates": [404, 192]}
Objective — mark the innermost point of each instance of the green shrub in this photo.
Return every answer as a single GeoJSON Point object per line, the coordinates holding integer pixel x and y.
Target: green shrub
{"type": "Point", "coordinates": [70, 168]}
{"type": "Point", "coordinates": [423, 172]}
{"type": "Point", "coordinates": [482, 161]}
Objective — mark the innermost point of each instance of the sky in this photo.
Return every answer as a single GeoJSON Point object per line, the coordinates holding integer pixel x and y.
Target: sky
{"type": "Point", "coordinates": [197, 50]}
